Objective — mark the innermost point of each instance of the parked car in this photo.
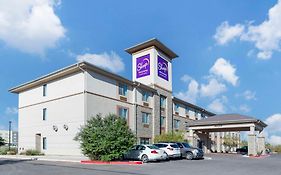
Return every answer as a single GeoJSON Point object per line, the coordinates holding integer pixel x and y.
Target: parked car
{"type": "Point", "coordinates": [146, 153]}
{"type": "Point", "coordinates": [190, 152]}
{"type": "Point", "coordinates": [243, 150]}
{"type": "Point", "coordinates": [172, 149]}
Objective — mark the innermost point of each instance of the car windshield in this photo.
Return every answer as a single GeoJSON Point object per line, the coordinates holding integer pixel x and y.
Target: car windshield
{"type": "Point", "coordinates": [152, 147]}
{"type": "Point", "coordinates": [174, 146]}
{"type": "Point", "coordinates": [159, 145]}
{"type": "Point", "coordinates": [186, 145]}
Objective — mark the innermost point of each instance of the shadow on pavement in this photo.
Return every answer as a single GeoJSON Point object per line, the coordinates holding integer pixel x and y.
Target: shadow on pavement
{"type": "Point", "coordinates": [86, 168]}
{"type": "Point", "coordinates": [5, 161]}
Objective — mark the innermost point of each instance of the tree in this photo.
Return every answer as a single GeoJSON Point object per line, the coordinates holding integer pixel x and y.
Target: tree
{"type": "Point", "coordinates": [2, 141]}
{"type": "Point", "coordinates": [244, 143]}
{"type": "Point", "coordinates": [229, 141]}
{"type": "Point", "coordinates": [105, 138]}
{"type": "Point", "coordinates": [170, 137]}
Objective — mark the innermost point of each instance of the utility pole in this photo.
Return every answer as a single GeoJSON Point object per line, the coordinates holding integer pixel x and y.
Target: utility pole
{"type": "Point", "coordinates": [10, 135]}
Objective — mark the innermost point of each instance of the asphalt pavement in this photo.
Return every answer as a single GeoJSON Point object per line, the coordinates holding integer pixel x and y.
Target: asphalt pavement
{"type": "Point", "coordinates": [219, 164]}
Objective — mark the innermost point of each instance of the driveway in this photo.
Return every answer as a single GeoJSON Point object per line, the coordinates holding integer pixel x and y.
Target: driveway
{"type": "Point", "coordinates": [219, 165]}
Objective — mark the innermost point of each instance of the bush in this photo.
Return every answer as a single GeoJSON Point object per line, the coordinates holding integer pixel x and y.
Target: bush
{"type": "Point", "coordinates": [170, 137]}
{"type": "Point", "coordinates": [5, 151]}
{"type": "Point", "coordinates": [32, 152]}
{"type": "Point", "coordinates": [2, 141]}
{"type": "Point", "coordinates": [106, 138]}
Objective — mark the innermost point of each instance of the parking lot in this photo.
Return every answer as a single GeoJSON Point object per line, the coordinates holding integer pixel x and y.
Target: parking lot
{"type": "Point", "coordinates": [218, 164]}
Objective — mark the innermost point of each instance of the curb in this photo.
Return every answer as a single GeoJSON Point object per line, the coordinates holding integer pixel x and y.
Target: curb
{"type": "Point", "coordinates": [111, 162]}
{"type": "Point", "coordinates": [259, 157]}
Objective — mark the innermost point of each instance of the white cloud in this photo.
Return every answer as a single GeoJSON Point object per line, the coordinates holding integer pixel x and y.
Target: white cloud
{"type": "Point", "coordinates": [244, 108]}
{"type": "Point", "coordinates": [225, 70]}
{"type": "Point", "coordinates": [191, 94]}
{"type": "Point", "coordinates": [110, 61]}
{"type": "Point", "coordinates": [273, 130]}
{"type": "Point", "coordinates": [212, 89]}
{"type": "Point", "coordinates": [274, 123]}
{"type": "Point", "coordinates": [218, 105]}
{"type": "Point", "coordinates": [249, 95]}
{"type": "Point", "coordinates": [274, 140]}
{"type": "Point", "coordinates": [226, 33]}
{"type": "Point", "coordinates": [186, 78]}
{"type": "Point", "coordinates": [31, 25]}
{"type": "Point", "coordinates": [11, 110]}
{"type": "Point", "coordinates": [266, 36]}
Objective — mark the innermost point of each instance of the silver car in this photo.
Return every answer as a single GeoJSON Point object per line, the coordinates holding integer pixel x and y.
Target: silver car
{"type": "Point", "coordinates": [190, 152]}
{"type": "Point", "coordinates": [146, 153]}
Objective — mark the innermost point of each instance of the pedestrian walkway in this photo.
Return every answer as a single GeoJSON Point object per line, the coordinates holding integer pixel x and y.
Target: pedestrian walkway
{"type": "Point", "coordinates": [54, 158]}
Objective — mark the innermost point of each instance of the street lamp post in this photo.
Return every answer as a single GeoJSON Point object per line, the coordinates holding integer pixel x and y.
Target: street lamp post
{"type": "Point", "coordinates": [10, 135]}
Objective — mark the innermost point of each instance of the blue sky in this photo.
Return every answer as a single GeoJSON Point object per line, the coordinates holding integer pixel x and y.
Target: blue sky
{"type": "Point", "coordinates": [229, 51]}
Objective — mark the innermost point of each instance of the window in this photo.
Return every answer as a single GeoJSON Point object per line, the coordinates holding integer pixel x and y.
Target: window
{"type": "Point", "coordinates": [44, 143]}
{"type": "Point", "coordinates": [176, 124]}
{"type": "Point", "coordinates": [163, 102]}
{"type": "Point", "coordinates": [44, 113]}
{"type": "Point", "coordinates": [44, 90]}
{"type": "Point", "coordinates": [144, 140]}
{"type": "Point", "coordinates": [145, 118]}
{"type": "Point", "coordinates": [177, 106]}
{"type": "Point", "coordinates": [162, 121]}
{"type": "Point", "coordinates": [145, 96]}
{"type": "Point", "coordinates": [123, 112]}
{"type": "Point", "coordinates": [186, 110]}
{"type": "Point", "coordinates": [123, 88]}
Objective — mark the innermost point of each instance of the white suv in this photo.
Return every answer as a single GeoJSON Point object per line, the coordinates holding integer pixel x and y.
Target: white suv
{"type": "Point", "coordinates": [172, 149]}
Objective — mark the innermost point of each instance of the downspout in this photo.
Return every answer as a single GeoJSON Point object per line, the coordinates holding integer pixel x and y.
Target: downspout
{"type": "Point", "coordinates": [136, 109]}
{"type": "Point", "coordinates": [84, 91]}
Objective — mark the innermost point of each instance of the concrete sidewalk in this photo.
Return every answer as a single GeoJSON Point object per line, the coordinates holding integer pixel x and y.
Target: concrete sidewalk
{"type": "Point", "coordinates": [54, 158]}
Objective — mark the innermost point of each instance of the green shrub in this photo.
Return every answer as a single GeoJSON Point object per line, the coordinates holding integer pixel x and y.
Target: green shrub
{"type": "Point", "coordinates": [105, 138]}
{"type": "Point", "coordinates": [3, 150]}
{"type": "Point", "coordinates": [170, 137]}
{"type": "Point", "coordinates": [32, 152]}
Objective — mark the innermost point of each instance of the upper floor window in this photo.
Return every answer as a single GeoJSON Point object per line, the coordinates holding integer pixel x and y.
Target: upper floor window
{"type": "Point", "coordinates": [176, 124]}
{"type": "Point", "coordinates": [44, 113]}
{"type": "Point", "coordinates": [162, 121]}
{"type": "Point", "coordinates": [44, 143]}
{"type": "Point", "coordinates": [145, 118]}
{"type": "Point", "coordinates": [44, 90]}
{"type": "Point", "coordinates": [162, 101]}
{"type": "Point", "coordinates": [123, 88]}
{"type": "Point", "coordinates": [145, 96]}
{"type": "Point", "coordinates": [123, 112]}
{"type": "Point", "coordinates": [177, 107]}
{"type": "Point", "coordinates": [186, 110]}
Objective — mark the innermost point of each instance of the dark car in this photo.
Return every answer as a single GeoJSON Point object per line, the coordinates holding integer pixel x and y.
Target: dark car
{"type": "Point", "coordinates": [243, 150]}
{"type": "Point", "coordinates": [190, 152]}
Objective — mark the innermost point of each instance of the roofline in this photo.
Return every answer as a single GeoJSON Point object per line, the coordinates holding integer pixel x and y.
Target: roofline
{"type": "Point", "coordinates": [152, 42]}
{"type": "Point", "coordinates": [73, 69]}
{"type": "Point", "coordinates": [193, 106]}
{"type": "Point", "coordinates": [207, 123]}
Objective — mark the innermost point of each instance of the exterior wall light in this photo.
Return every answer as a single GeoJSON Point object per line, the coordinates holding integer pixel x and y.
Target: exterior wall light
{"type": "Point", "coordinates": [55, 128]}
{"type": "Point", "coordinates": [65, 127]}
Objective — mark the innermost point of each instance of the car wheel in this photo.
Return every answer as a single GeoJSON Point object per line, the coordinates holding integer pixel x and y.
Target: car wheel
{"type": "Point", "coordinates": [144, 158]}
{"type": "Point", "coordinates": [189, 156]}
{"type": "Point", "coordinates": [167, 157]}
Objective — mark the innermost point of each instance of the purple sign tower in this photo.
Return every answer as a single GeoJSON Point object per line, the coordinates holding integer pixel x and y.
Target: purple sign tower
{"type": "Point", "coordinates": [143, 66]}
{"type": "Point", "coordinates": [162, 66]}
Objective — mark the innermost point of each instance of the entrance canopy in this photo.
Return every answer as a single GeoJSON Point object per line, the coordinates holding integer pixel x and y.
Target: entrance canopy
{"type": "Point", "coordinates": [226, 123]}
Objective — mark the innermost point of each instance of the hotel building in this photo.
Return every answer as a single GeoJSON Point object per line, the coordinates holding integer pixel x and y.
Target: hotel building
{"type": "Point", "coordinates": [53, 107]}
